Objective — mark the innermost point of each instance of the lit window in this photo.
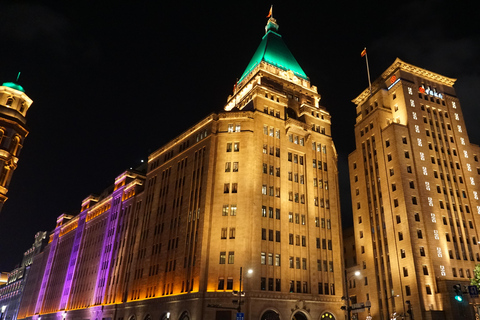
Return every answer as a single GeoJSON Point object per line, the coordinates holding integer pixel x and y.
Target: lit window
{"type": "Point", "coordinates": [456, 116]}
{"type": "Point", "coordinates": [454, 105]}
{"type": "Point", "coordinates": [472, 181]}
{"type": "Point", "coordinates": [237, 127]}
{"type": "Point", "coordinates": [475, 195]}
{"type": "Point", "coordinates": [414, 115]}
{"type": "Point", "coordinates": [410, 91]}
{"type": "Point", "coordinates": [427, 185]}
{"type": "Point", "coordinates": [425, 172]}
{"type": "Point", "coordinates": [465, 153]}
{"type": "Point", "coordinates": [469, 167]}
{"type": "Point", "coordinates": [417, 128]}
{"type": "Point", "coordinates": [435, 235]}
{"type": "Point", "coordinates": [422, 156]}
{"type": "Point", "coordinates": [412, 103]}
{"type": "Point", "coordinates": [462, 141]}
{"type": "Point", "coordinates": [230, 127]}
{"type": "Point", "coordinates": [434, 219]}
{"type": "Point", "coordinates": [459, 128]}
{"type": "Point", "coordinates": [419, 142]}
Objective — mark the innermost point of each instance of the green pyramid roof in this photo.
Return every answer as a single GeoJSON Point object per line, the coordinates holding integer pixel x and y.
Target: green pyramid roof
{"type": "Point", "coordinates": [274, 51]}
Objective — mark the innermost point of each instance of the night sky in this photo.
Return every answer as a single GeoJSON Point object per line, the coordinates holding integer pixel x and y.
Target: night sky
{"type": "Point", "coordinates": [114, 81]}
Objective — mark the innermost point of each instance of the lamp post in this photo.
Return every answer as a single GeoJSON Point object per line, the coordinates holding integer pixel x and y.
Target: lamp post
{"type": "Point", "coordinates": [368, 304]}
{"type": "Point", "coordinates": [394, 313]}
{"type": "Point", "coordinates": [347, 298]}
{"type": "Point", "coordinates": [240, 292]}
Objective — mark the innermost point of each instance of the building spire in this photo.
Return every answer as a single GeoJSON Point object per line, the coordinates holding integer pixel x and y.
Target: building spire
{"type": "Point", "coordinates": [271, 23]}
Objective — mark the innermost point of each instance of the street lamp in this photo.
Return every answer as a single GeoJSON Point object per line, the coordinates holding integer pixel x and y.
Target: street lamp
{"type": "Point", "coordinates": [347, 298]}
{"type": "Point", "coordinates": [394, 313]}
{"type": "Point", "coordinates": [240, 292]}
{"type": "Point", "coordinates": [368, 305]}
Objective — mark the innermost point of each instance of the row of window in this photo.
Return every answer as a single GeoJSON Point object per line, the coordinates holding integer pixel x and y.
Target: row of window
{"type": "Point", "coordinates": [231, 166]}
{"type": "Point", "coordinates": [233, 127]}
{"type": "Point", "coordinates": [235, 146]}
{"type": "Point", "coordinates": [233, 187]}
{"type": "Point", "coordinates": [232, 209]}
{"type": "Point", "coordinates": [268, 259]}
{"type": "Point", "coordinates": [271, 235]}
{"type": "Point", "coordinates": [231, 234]}
{"type": "Point", "coordinates": [270, 212]}
{"type": "Point", "coordinates": [295, 262]}
{"type": "Point", "coordinates": [271, 150]}
{"type": "Point", "coordinates": [272, 132]}
{"type": "Point", "coordinates": [223, 257]}
{"type": "Point", "coordinates": [319, 147]}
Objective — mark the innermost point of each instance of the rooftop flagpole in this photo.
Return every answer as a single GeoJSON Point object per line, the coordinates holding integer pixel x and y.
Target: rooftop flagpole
{"type": "Point", "coordinates": [364, 54]}
{"type": "Point", "coordinates": [270, 12]}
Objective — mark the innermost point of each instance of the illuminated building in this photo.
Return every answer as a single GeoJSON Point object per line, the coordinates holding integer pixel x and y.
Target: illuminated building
{"type": "Point", "coordinates": [253, 188]}
{"type": "Point", "coordinates": [415, 185]}
{"type": "Point", "coordinates": [11, 291]}
{"type": "Point", "coordinates": [14, 104]}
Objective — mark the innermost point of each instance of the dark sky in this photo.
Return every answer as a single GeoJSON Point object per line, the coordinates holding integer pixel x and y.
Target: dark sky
{"type": "Point", "coordinates": [113, 81]}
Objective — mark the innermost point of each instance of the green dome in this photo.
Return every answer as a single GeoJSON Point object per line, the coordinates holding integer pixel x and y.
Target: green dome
{"type": "Point", "coordinates": [13, 86]}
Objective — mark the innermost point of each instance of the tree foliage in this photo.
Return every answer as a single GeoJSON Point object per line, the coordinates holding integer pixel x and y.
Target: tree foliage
{"type": "Point", "coordinates": [475, 281]}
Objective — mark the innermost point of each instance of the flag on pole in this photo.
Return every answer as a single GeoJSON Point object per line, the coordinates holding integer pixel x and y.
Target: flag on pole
{"type": "Point", "coordinates": [270, 12]}
{"type": "Point", "coordinates": [364, 54]}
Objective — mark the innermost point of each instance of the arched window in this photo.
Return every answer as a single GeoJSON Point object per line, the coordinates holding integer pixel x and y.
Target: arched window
{"type": "Point", "coordinates": [184, 316]}
{"type": "Point", "coordinates": [4, 175]}
{"type": "Point", "coordinates": [15, 145]}
{"type": "Point", "coordinates": [270, 315]}
{"type": "Point", "coordinates": [9, 102]}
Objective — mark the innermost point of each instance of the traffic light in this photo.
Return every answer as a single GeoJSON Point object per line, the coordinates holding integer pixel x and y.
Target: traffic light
{"type": "Point", "coordinates": [458, 292]}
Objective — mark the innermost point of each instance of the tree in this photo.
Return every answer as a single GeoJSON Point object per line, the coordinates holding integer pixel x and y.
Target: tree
{"type": "Point", "coordinates": [475, 281]}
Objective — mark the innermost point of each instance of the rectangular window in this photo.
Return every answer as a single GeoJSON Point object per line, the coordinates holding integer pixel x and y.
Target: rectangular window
{"type": "Point", "coordinates": [221, 283]}
{"type": "Point", "coordinates": [222, 257]}
{"type": "Point", "coordinates": [231, 257]}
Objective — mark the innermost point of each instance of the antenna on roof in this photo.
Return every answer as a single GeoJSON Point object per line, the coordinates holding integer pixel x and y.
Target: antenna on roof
{"type": "Point", "coordinates": [18, 76]}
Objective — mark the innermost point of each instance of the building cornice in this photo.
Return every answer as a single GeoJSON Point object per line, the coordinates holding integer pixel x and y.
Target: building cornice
{"type": "Point", "coordinates": [401, 65]}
